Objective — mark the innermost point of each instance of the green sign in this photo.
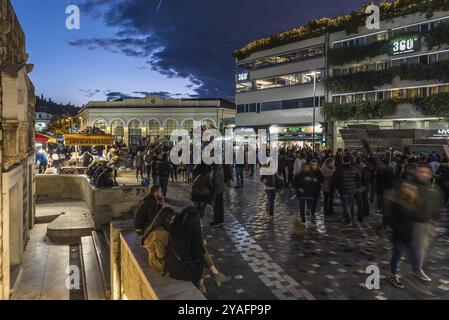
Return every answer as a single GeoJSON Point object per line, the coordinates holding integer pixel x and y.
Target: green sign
{"type": "Point", "coordinates": [405, 44]}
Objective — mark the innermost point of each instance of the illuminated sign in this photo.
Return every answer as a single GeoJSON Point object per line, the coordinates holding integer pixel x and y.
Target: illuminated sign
{"type": "Point", "coordinates": [242, 77]}
{"type": "Point", "coordinates": [442, 133]}
{"type": "Point", "coordinates": [403, 45]}
{"type": "Point", "coordinates": [88, 140]}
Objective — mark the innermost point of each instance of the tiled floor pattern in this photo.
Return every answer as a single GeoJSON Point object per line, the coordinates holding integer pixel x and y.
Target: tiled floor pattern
{"type": "Point", "coordinates": [328, 261]}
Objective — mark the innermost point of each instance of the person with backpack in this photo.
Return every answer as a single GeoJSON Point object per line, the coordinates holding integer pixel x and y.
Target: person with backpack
{"type": "Point", "coordinates": [146, 213]}
{"type": "Point", "coordinates": [157, 241]}
{"type": "Point", "coordinates": [202, 188]}
{"type": "Point", "coordinates": [187, 257]}
{"type": "Point", "coordinates": [272, 183]}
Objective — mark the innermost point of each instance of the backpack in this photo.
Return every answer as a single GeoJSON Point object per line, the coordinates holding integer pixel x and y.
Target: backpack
{"type": "Point", "coordinates": [157, 245]}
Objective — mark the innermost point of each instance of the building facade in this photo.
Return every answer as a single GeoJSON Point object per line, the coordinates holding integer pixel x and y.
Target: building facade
{"type": "Point", "coordinates": [275, 90]}
{"type": "Point", "coordinates": [387, 78]}
{"type": "Point", "coordinates": [42, 121]}
{"type": "Point", "coordinates": [17, 111]}
{"type": "Point", "coordinates": [406, 68]}
{"type": "Point", "coordinates": [152, 119]}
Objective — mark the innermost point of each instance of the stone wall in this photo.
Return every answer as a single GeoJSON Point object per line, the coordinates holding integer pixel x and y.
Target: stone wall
{"type": "Point", "coordinates": [105, 204]}
{"type": "Point", "coordinates": [17, 113]}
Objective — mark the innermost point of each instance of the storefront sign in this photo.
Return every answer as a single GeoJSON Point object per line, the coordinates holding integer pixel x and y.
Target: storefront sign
{"type": "Point", "coordinates": [88, 140]}
{"type": "Point", "coordinates": [442, 133]}
{"type": "Point", "coordinates": [243, 77]}
{"type": "Point", "coordinates": [403, 45]}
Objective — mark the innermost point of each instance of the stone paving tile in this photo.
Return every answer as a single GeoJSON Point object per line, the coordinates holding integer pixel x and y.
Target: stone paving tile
{"type": "Point", "coordinates": [325, 265]}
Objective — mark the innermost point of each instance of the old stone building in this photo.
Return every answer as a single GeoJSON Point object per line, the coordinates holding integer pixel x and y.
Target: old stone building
{"type": "Point", "coordinates": [17, 112]}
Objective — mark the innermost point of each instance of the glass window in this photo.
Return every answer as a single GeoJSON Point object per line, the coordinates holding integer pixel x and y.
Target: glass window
{"type": "Point", "coordinates": [291, 57]}
{"type": "Point", "coordinates": [117, 129]}
{"type": "Point", "coordinates": [208, 124]}
{"type": "Point", "coordinates": [412, 93]}
{"type": "Point", "coordinates": [433, 58]}
{"type": "Point", "coordinates": [170, 126]}
{"type": "Point", "coordinates": [443, 89]}
{"type": "Point", "coordinates": [101, 124]}
{"type": "Point", "coordinates": [380, 95]}
{"type": "Point", "coordinates": [371, 39]}
{"type": "Point", "coordinates": [241, 108]}
{"type": "Point", "coordinates": [413, 60]}
{"type": "Point", "coordinates": [252, 107]}
{"type": "Point", "coordinates": [187, 125]}
{"type": "Point", "coordinates": [381, 66]}
{"type": "Point", "coordinates": [382, 36]}
{"type": "Point", "coordinates": [388, 95]}
{"type": "Point", "coordinates": [424, 59]}
{"type": "Point", "coordinates": [311, 53]}
{"type": "Point", "coordinates": [290, 104]}
{"type": "Point", "coordinates": [413, 29]}
{"type": "Point", "coordinates": [423, 92]}
{"type": "Point", "coordinates": [154, 129]}
{"type": "Point", "coordinates": [397, 94]}
{"type": "Point", "coordinates": [433, 90]}
{"type": "Point", "coordinates": [289, 80]}
{"type": "Point", "coordinates": [244, 87]}
{"type": "Point", "coordinates": [347, 99]}
{"type": "Point", "coordinates": [371, 96]}
{"type": "Point", "coordinates": [425, 27]}
{"type": "Point", "coordinates": [336, 99]}
{"type": "Point", "coordinates": [443, 56]}
{"type": "Point", "coordinates": [359, 97]}
{"type": "Point", "coordinates": [135, 132]}
{"type": "Point", "coordinates": [273, 105]}
{"type": "Point", "coordinates": [265, 83]}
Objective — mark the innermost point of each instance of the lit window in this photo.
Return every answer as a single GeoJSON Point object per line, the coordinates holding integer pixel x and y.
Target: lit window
{"type": "Point", "coordinates": [244, 87]}
{"type": "Point", "coordinates": [170, 126]}
{"type": "Point", "coordinates": [265, 83]}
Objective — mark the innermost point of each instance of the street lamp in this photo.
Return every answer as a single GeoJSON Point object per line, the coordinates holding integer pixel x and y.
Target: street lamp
{"type": "Point", "coordinates": [314, 74]}
{"type": "Point", "coordinates": [218, 105]}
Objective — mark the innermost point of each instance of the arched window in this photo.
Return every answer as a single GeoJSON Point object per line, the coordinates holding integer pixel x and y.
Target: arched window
{"type": "Point", "coordinates": [170, 126]}
{"type": "Point", "coordinates": [187, 125]}
{"type": "Point", "coordinates": [135, 133]}
{"type": "Point", "coordinates": [208, 124]}
{"type": "Point", "coordinates": [101, 124]}
{"type": "Point", "coordinates": [117, 129]}
{"type": "Point", "coordinates": [154, 131]}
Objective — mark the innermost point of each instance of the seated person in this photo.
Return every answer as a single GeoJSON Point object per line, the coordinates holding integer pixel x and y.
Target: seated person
{"type": "Point", "coordinates": [150, 207]}
{"type": "Point", "coordinates": [187, 259]}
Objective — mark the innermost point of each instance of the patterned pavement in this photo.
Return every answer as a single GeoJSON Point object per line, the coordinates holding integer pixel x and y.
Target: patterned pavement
{"type": "Point", "coordinates": [326, 262]}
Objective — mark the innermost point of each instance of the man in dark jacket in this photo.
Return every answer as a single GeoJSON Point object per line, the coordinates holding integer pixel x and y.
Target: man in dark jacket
{"type": "Point", "coordinates": [218, 185]}
{"type": "Point", "coordinates": [384, 182]}
{"type": "Point", "coordinates": [347, 180]}
{"type": "Point", "coordinates": [202, 188]}
{"type": "Point", "coordinates": [152, 204]}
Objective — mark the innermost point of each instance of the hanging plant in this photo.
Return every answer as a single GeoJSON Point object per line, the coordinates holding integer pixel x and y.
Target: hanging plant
{"type": "Point", "coordinates": [436, 105]}
{"type": "Point", "coordinates": [360, 110]}
{"type": "Point", "coordinates": [361, 81]}
{"type": "Point", "coordinates": [342, 56]}
{"type": "Point", "coordinates": [438, 36]}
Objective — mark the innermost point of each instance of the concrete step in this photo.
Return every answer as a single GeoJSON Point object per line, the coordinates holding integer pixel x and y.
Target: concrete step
{"type": "Point", "coordinates": [102, 251]}
{"type": "Point", "coordinates": [94, 285]}
{"type": "Point", "coordinates": [74, 222]}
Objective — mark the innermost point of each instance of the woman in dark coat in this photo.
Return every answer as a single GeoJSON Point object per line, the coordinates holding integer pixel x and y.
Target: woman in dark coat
{"type": "Point", "coordinates": [188, 258]}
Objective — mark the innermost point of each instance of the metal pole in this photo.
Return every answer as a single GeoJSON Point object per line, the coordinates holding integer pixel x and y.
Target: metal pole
{"type": "Point", "coordinates": [218, 125]}
{"type": "Point", "coordinates": [314, 110]}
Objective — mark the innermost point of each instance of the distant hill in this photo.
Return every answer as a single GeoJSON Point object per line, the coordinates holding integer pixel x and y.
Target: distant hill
{"type": "Point", "coordinates": [57, 109]}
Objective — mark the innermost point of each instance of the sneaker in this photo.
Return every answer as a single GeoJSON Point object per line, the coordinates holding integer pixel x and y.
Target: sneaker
{"type": "Point", "coordinates": [421, 275]}
{"type": "Point", "coordinates": [220, 279]}
{"type": "Point", "coordinates": [396, 281]}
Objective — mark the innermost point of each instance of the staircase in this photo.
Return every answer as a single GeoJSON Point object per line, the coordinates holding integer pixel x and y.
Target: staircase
{"type": "Point", "coordinates": [96, 262]}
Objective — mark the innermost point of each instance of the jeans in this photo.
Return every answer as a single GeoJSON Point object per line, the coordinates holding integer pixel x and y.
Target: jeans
{"type": "Point", "coordinates": [219, 209]}
{"type": "Point", "coordinates": [328, 203]}
{"type": "Point", "coordinates": [302, 207]}
{"type": "Point", "coordinates": [251, 170]}
{"type": "Point", "coordinates": [239, 176]}
{"type": "Point", "coordinates": [414, 255]}
{"type": "Point", "coordinates": [148, 170]}
{"type": "Point", "coordinates": [365, 201]}
{"type": "Point", "coordinates": [42, 167]}
{"type": "Point", "coordinates": [164, 185]}
{"type": "Point", "coordinates": [347, 200]}
{"type": "Point", "coordinates": [360, 206]}
{"type": "Point", "coordinates": [271, 196]}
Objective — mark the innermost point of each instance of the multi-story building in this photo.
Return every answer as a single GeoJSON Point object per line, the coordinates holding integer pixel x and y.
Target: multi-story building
{"type": "Point", "coordinates": [42, 121]}
{"type": "Point", "coordinates": [403, 67]}
{"type": "Point", "coordinates": [386, 79]}
{"type": "Point", "coordinates": [152, 119]}
{"type": "Point", "coordinates": [275, 90]}
{"type": "Point", "coordinates": [17, 103]}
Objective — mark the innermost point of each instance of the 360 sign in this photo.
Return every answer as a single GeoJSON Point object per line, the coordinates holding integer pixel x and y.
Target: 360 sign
{"type": "Point", "coordinates": [403, 46]}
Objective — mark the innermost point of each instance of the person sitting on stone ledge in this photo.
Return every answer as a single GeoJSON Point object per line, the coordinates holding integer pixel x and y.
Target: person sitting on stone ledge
{"type": "Point", "coordinates": [150, 207]}
{"type": "Point", "coordinates": [187, 257]}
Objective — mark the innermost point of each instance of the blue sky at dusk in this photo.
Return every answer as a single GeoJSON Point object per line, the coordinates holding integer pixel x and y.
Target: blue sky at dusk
{"type": "Point", "coordinates": [129, 48]}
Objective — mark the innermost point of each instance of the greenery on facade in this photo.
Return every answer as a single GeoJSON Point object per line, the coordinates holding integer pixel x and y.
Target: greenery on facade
{"type": "Point", "coordinates": [438, 36]}
{"type": "Point", "coordinates": [342, 56]}
{"type": "Point", "coordinates": [369, 80]}
{"type": "Point", "coordinates": [436, 105]}
{"type": "Point", "coordinates": [361, 81]}
{"type": "Point", "coordinates": [350, 23]}
{"type": "Point", "coordinates": [360, 110]}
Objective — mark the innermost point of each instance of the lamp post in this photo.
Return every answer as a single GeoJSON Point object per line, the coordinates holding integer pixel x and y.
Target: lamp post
{"type": "Point", "coordinates": [218, 105]}
{"type": "Point", "coordinates": [314, 109]}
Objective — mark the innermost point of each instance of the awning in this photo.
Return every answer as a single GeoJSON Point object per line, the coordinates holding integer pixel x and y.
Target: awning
{"type": "Point", "coordinates": [88, 140]}
{"type": "Point", "coordinates": [42, 138]}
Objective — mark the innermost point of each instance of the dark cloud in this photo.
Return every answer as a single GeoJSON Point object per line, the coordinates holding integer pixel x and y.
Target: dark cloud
{"type": "Point", "coordinates": [195, 39]}
{"type": "Point", "coordinates": [89, 92]}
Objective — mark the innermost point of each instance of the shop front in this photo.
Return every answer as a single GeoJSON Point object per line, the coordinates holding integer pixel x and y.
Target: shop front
{"type": "Point", "coordinates": [300, 136]}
